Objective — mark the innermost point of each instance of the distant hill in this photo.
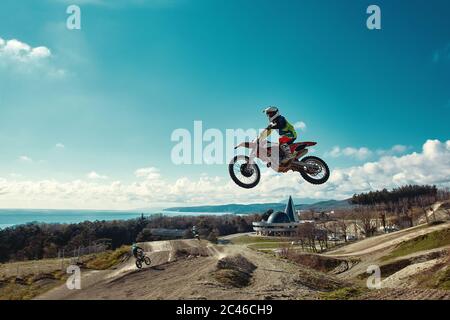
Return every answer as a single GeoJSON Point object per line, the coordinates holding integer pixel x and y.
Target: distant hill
{"type": "Point", "coordinates": [231, 208]}
{"type": "Point", "coordinates": [307, 200]}
{"type": "Point", "coordinates": [325, 205]}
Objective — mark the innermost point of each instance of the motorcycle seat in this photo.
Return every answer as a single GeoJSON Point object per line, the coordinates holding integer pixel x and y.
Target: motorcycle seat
{"type": "Point", "coordinates": [302, 145]}
{"type": "Point", "coordinates": [305, 144]}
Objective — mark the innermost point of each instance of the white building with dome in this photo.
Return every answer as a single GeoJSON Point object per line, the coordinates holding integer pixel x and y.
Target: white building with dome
{"type": "Point", "coordinates": [279, 224]}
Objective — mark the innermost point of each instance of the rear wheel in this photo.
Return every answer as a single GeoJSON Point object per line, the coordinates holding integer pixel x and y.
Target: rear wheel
{"type": "Point", "coordinates": [317, 171]}
{"type": "Point", "coordinates": [139, 264]}
{"type": "Point", "coordinates": [244, 173]}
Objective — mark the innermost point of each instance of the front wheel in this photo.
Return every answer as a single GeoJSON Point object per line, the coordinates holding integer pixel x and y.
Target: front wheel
{"type": "Point", "coordinates": [317, 171]}
{"type": "Point", "coordinates": [147, 261]}
{"type": "Point", "coordinates": [244, 173]}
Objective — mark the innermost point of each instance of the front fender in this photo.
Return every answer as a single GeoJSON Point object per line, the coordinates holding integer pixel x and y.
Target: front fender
{"type": "Point", "coordinates": [244, 145]}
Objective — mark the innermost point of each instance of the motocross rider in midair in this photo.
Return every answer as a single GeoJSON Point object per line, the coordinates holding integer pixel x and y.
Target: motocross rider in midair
{"type": "Point", "coordinates": [286, 131]}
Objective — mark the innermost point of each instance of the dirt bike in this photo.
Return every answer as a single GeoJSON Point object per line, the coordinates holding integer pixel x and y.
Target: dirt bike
{"type": "Point", "coordinates": [196, 235]}
{"type": "Point", "coordinates": [142, 258]}
{"type": "Point", "coordinates": [246, 174]}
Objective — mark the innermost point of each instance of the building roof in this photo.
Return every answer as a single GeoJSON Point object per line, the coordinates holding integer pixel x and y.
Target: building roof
{"type": "Point", "coordinates": [278, 217]}
{"type": "Point", "coordinates": [290, 210]}
{"type": "Point", "coordinates": [287, 216]}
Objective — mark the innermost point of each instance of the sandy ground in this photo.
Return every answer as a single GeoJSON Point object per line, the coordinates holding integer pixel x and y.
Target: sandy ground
{"type": "Point", "coordinates": [407, 294]}
{"type": "Point", "coordinates": [402, 278]}
{"type": "Point", "coordinates": [190, 278]}
{"type": "Point", "coordinates": [370, 251]}
{"type": "Point", "coordinates": [25, 268]}
{"type": "Point", "coordinates": [385, 241]}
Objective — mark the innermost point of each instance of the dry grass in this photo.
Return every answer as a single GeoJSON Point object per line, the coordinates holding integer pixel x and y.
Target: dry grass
{"type": "Point", "coordinates": [25, 268]}
{"type": "Point", "coordinates": [313, 261]}
{"type": "Point", "coordinates": [108, 259]}
{"type": "Point", "coordinates": [428, 241]}
{"type": "Point", "coordinates": [345, 293]}
{"type": "Point", "coordinates": [234, 271]}
{"type": "Point", "coordinates": [256, 239]}
{"type": "Point", "coordinates": [30, 286]}
{"type": "Point", "coordinates": [437, 277]}
{"type": "Point", "coordinates": [28, 279]}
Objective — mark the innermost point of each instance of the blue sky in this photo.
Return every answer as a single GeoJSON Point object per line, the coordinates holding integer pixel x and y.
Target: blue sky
{"type": "Point", "coordinates": [106, 98]}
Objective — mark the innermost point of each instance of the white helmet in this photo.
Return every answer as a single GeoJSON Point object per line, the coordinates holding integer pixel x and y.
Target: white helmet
{"type": "Point", "coordinates": [272, 113]}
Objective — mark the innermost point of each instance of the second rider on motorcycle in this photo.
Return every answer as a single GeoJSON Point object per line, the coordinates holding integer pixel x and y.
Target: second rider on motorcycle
{"type": "Point", "coordinates": [286, 131]}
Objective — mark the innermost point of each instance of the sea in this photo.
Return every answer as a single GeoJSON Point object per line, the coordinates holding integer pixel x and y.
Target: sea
{"type": "Point", "coordinates": [13, 217]}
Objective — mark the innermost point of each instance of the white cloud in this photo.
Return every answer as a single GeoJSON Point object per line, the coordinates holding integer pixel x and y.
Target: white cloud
{"type": "Point", "coordinates": [300, 125]}
{"type": "Point", "coordinates": [399, 148]}
{"type": "Point", "coordinates": [60, 146]}
{"type": "Point", "coordinates": [429, 166]}
{"type": "Point", "coordinates": [395, 150]}
{"type": "Point", "coordinates": [364, 153]}
{"type": "Point", "coordinates": [25, 159]}
{"type": "Point", "coordinates": [150, 173]}
{"type": "Point", "coordinates": [358, 153]}
{"type": "Point", "coordinates": [16, 50]}
{"type": "Point", "coordinates": [94, 176]}
{"type": "Point", "coordinates": [22, 58]}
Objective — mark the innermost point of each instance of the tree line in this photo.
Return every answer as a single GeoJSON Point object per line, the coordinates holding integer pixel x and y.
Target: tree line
{"type": "Point", "coordinates": [39, 240]}
{"type": "Point", "coordinates": [402, 206]}
{"type": "Point", "coordinates": [410, 192]}
{"type": "Point", "coordinates": [386, 210]}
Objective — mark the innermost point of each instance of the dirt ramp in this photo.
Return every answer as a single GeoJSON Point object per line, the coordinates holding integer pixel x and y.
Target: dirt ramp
{"type": "Point", "coordinates": [234, 271]}
{"type": "Point", "coordinates": [161, 252]}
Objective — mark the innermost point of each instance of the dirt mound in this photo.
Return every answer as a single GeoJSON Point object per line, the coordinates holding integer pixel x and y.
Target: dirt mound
{"type": "Point", "coordinates": [426, 270]}
{"type": "Point", "coordinates": [321, 263]}
{"type": "Point", "coordinates": [191, 252]}
{"type": "Point", "coordinates": [234, 271]}
{"type": "Point", "coordinates": [438, 212]}
{"type": "Point", "coordinates": [406, 294]}
{"type": "Point", "coordinates": [318, 281]}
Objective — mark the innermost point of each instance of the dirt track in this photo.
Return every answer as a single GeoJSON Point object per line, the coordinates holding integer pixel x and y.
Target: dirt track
{"type": "Point", "coordinates": [190, 277]}
{"type": "Point", "coordinates": [402, 284]}
{"type": "Point", "coordinates": [374, 244]}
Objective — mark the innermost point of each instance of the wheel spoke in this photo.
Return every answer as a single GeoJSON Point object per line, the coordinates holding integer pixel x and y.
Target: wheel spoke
{"type": "Point", "coordinates": [320, 173]}
{"type": "Point", "coordinates": [238, 173]}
